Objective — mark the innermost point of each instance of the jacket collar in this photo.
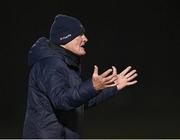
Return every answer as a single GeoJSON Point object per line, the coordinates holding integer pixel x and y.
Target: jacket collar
{"type": "Point", "coordinates": [69, 58]}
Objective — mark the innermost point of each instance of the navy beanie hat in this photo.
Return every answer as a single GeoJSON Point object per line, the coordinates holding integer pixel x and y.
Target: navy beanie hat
{"type": "Point", "coordinates": [64, 29]}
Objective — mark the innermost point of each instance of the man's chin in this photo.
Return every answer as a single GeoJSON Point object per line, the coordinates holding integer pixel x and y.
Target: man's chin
{"type": "Point", "coordinates": [83, 53]}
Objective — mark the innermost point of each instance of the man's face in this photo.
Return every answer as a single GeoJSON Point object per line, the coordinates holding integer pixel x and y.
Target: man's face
{"type": "Point", "coordinates": [76, 45]}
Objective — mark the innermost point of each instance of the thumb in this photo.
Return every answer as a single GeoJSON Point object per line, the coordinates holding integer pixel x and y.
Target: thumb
{"type": "Point", "coordinates": [95, 70]}
{"type": "Point", "coordinates": [114, 70]}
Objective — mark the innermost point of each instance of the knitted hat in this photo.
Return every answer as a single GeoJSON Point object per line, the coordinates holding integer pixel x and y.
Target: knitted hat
{"type": "Point", "coordinates": [64, 29]}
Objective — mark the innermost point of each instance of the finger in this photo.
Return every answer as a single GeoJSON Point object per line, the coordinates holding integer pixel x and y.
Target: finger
{"type": "Point", "coordinates": [106, 79]}
{"type": "Point", "coordinates": [95, 70]}
{"type": "Point", "coordinates": [112, 80]}
{"type": "Point", "coordinates": [114, 70]}
{"type": "Point", "coordinates": [125, 71]}
{"type": "Point", "coordinates": [111, 85]}
{"type": "Point", "coordinates": [109, 77]}
{"type": "Point", "coordinates": [132, 77]}
{"type": "Point", "coordinates": [132, 83]}
{"type": "Point", "coordinates": [106, 73]}
{"type": "Point", "coordinates": [130, 73]}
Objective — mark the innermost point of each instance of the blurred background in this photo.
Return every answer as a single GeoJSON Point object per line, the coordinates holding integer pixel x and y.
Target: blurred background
{"type": "Point", "coordinates": [144, 34]}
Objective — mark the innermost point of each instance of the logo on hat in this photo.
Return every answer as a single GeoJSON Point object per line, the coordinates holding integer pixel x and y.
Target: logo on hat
{"type": "Point", "coordinates": [65, 37]}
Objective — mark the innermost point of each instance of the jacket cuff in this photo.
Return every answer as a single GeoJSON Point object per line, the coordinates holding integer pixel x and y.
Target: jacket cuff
{"type": "Point", "coordinates": [112, 90]}
{"type": "Point", "coordinates": [87, 90]}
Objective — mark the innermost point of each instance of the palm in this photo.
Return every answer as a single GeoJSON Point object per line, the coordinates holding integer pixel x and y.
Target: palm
{"type": "Point", "coordinates": [104, 80]}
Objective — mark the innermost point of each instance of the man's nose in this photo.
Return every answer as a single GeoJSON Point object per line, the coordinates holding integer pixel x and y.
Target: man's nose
{"type": "Point", "coordinates": [84, 38]}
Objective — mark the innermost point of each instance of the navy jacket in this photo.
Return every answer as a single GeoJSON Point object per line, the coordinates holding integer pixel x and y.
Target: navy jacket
{"type": "Point", "coordinates": [56, 94]}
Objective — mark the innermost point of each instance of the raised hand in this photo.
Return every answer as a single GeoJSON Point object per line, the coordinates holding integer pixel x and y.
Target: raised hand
{"type": "Point", "coordinates": [126, 78]}
{"type": "Point", "coordinates": [104, 80]}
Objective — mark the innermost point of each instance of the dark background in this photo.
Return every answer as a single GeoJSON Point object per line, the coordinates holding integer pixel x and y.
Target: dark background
{"type": "Point", "coordinates": [143, 34]}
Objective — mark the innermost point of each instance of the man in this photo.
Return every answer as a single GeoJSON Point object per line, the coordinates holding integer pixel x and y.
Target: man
{"type": "Point", "coordinates": [56, 94]}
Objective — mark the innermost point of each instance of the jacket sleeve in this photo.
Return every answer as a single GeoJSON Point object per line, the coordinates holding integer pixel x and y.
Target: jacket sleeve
{"type": "Point", "coordinates": [102, 96]}
{"type": "Point", "coordinates": [64, 97]}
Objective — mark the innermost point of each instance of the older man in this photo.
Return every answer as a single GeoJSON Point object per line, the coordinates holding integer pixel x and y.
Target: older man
{"type": "Point", "coordinates": [56, 94]}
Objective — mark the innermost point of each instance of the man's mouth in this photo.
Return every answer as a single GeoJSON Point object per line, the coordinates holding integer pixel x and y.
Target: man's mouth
{"type": "Point", "coordinates": [83, 46]}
